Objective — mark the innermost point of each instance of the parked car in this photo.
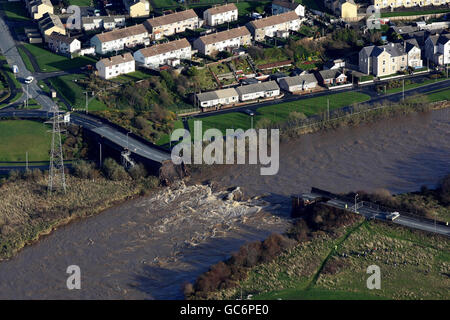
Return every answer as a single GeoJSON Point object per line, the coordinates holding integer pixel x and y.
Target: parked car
{"type": "Point", "coordinates": [249, 112]}
{"type": "Point", "coordinates": [393, 215]}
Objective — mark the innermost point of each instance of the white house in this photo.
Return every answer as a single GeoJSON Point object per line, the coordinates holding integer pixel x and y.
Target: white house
{"type": "Point", "coordinates": [268, 27]}
{"type": "Point", "coordinates": [63, 44]}
{"type": "Point", "coordinates": [283, 6]}
{"type": "Point", "coordinates": [413, 53]}
{"type": "Point", "coordinates": [258, 90]}
{"type": "Point", "coordinates": [105, 22]}
{"type": "Point", "coordinates": [220, 14]}
{"type": "Point", "coordinates": [173, 23]}
{"type": "Point", "coordinates": [118, 39]}
{"type": "Point", "coordinates": [217, 98]}
{"type": "Point", "coordinates": [166, 53]}
{"type": "Point", "coordinates": [220, 41]}
{"type": "Point", "coordinates": [114, 66]}
{"type": "Point", "coordinates": [298, 83]}
{"type": "Point", "coordinates": [437, 49]}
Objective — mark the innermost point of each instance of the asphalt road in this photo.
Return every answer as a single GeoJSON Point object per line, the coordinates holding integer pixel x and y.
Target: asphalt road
{"type": "Point", "coordinates": [409, 222]}
{"type": "Point", "coordinates": [9, 50]}
{"type": "Point", "coordinates": [106, 131]}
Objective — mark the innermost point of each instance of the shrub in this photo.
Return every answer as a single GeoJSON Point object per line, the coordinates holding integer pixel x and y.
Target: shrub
{"type": "Point", "coordinates": [114, 171]}
{"type": "Point", "coordinates": [444, 190]}
{"type": "Point", "coordinates": [137, 172]}
{"type": "Point", "coordinates": [83, 169]}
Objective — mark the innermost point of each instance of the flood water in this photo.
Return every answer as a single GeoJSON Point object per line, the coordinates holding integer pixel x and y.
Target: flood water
{"type": "Point", "coordinates": [147, 248]}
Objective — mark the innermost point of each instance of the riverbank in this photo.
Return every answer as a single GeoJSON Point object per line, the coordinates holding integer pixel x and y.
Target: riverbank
{"type": "Point", "coordinates": [28, 213]}
{"type": "Point", "coordinates": [329, 260]}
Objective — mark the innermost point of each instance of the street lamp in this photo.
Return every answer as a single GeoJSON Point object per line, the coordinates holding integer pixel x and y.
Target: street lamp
{"type": "Point", "coordinates": [356, 196]}
{"type": "Point", "coordinates": [127, 138]}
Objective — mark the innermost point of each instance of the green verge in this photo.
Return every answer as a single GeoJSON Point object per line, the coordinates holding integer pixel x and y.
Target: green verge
{"type": "Point", "coordinates": [26, 59]}
{"type": "Point", "coordinates": [15, 11]}
{"type": "Point", "coordinates": [66, 87]}
{"type": "Point", "coordinates": [49, 61]}
{"type": "Point", "coordinates": [412, 13]}
{"type": "Point", "coordinates": [280, 112]}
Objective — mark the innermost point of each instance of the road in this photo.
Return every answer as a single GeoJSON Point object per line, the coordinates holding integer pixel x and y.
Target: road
{"type": "Point", "coordinates": [9, 50]}
{"type": "Point", "coordinates": [406, 221]}
{"type": "Point", "coordinates": [104, 130]}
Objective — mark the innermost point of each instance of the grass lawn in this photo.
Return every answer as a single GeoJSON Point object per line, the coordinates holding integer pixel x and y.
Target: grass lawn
{"type": "Point", "coordinates": [133, 76]}
{"type": "Point", "coordinates": [412, 13]}
{"type": "Point", "coordinates": [21, 136]}
{"type": "Point", "coordinates": [49, 61]}
{"type": "Point", "coordinates": [439, 95]}
{"type": "Point", "coordinates": [74, 93]}
{"type": "Point", "coordinates": [279, 112]}
{"type": "Point", "coordinates": [26, 59]}
{"type": "Point", "coordinates": [15, 11]}
{"type": "Point", "coordinates": [81, 3]}
{"type": "Point", "coordinates": [311, 106]}
{"type": "Point", "coordinates": [6, 70]}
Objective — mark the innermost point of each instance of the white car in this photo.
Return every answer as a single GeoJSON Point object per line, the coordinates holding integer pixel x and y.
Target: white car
{"type": "Point", "coordinates": [393, 215]}
{"type": "Point", "coordinates": [29, 79]}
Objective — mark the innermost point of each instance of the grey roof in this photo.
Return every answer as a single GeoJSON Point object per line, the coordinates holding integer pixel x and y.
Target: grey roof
{"type": "Point", "coordinates": [404, 29]}
{"type": "Point", "coordinates": [330, 74]}
{"type": "Point", "coordinates": [394, 49]}
{"type": "Point", "coordinates": [207, 96]}
{"type": "Point", "coordinates": [411, 44]}
{"type": "Point", "coordinates": [294, 81]}
{"type": "Point", "coordinates": [258, 87]}
{"type": "Point", "coordinates": [444, 38]}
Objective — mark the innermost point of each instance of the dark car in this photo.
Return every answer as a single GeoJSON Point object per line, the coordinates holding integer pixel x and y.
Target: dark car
{"type": "Point", "coordinates": [249, 112]}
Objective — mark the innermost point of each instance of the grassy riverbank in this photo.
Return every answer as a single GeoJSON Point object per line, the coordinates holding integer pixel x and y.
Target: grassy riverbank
{"type": "Point", "coordinates": [28, 212]}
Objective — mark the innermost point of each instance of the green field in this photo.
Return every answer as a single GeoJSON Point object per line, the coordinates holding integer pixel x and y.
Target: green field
{"type": "Point", "coordinates": [412, 13]}
{"type": "Point", "coordinates": [20, 136]}
{"type": "Point", "coordinates": [74, 93]}
{"type": "Point", "coordinates": [49, 61]}
{"type": "Point", "coordinates": [413, 265]}
{"type": "Point", "coordinates": [165, 138]}
{"type": "Point", "coordinates": [15, 11]}
{"type": "Point", "coordinates": [279, 113]}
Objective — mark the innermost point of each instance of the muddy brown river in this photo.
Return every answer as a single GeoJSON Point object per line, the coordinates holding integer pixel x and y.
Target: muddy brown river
{"type": "Point", "coordinates": [147, 248]}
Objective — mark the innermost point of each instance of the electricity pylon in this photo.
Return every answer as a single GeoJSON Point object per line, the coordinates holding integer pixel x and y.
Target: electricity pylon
{"type": "Point", "coordinates": [56, 177]}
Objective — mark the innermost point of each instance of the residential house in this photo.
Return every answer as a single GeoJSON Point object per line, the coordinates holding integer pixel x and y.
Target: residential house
{"type": "Point", "coordinates": [383, 60]}
{"type": "Point", "coordinates": [345, 9]}
{"type": "Point", "coordinates": [50, 23]}
{"type": "Point", "coordinates": [220, 41]}
{"type": "Point", "coordinates": [167, 53]}
{"type": "Point", "coordinates": [105, 22]}
{"type": "Point", "coordinates": [283, 6]}
{"type": "Point", "coordinates": [220, 14]}
{"type": "Point", "coordinates": [114, 66]}
{"type": "Point", "coordinates": [118, 39]}
{"type": "Point", "coordinates": [437, 49]}
{"type": "Point", "coordinates": [331, 77]}
{"type": "Point", "coordinates": [268, 27]}
{"type": "Point", "coordinates": [63, 44]}
{"type": "Point", "coordinates": [294, 84]}
{"type": "Point", "coordinates": [217, 98]}
{"type": "Point", "coordinates": [258, 90]}
{"type": "Point", "coordinates": [407, 3]}
{"type": "Point", "coordinates": [37, 8]}
{"type": "Point", "coordinates": [414, 54]}
{"type": "Point", "coordinates": [173, 23]}
{"type": "Point", "coordinates": [137, 8]}
{"type": "Point", "coordinates": [334, 64]}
